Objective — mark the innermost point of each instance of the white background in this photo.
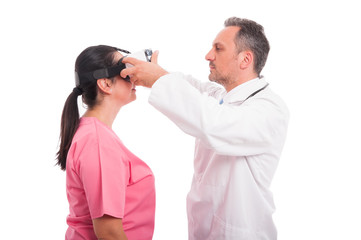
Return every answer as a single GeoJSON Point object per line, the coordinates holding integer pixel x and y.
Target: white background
{"type": "Point", "coordinates": [313, 64]}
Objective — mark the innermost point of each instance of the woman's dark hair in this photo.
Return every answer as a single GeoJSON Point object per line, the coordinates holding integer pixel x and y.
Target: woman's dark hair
{"type": "Point", "coordinates": [91, 59]}
{"type": "Point", "coordinates": [251, 36]}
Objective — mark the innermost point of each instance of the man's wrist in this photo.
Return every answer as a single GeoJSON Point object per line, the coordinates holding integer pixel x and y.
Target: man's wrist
{"type": "Point", "coordinates": [163, 73]}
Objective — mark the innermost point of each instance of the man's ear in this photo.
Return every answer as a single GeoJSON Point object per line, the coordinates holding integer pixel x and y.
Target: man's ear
{"type": "Point", "coordinates": [245, 59]}
{"type": "Point", "coordinates": [105, 85]}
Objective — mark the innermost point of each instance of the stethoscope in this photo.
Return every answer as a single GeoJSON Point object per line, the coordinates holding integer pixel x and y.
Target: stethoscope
{"type": "Point", "coordinates": [254, 93]}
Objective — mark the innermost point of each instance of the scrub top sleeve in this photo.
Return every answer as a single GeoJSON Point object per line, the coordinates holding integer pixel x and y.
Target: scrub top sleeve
{"type": "Point", "coordinates": [104, 173]}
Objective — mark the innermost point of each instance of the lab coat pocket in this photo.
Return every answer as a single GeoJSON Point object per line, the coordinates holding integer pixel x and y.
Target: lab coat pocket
{"type": "Point", "coordinates": [223, 230]}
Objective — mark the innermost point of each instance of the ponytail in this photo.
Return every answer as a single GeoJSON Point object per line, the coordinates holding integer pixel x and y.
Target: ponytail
{"type": "Point", "coordinates": [69, 125]}
{"type": "Point", "coordinates": [91, 59]}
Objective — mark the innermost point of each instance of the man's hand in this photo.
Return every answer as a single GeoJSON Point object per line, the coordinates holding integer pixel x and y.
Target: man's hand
{"type": "Point", "coordinates": [143, 73]}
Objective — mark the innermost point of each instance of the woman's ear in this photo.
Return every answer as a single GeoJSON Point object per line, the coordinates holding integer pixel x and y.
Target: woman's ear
{"type": "Point", "coordinates": [245, 59]}
{"type": "Point", "coordinates": [105, 85]}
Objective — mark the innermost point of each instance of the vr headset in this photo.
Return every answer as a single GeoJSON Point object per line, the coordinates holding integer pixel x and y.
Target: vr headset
{"type": "Point", "coordinates": [144, 55]}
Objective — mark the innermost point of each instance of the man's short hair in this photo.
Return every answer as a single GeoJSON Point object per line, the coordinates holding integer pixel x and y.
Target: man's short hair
{"type": "Point", "coordinates": [251, 37]}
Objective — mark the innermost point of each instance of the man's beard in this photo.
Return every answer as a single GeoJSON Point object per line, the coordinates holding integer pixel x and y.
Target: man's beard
{"type": "Point", "coordinates": [215, 76]}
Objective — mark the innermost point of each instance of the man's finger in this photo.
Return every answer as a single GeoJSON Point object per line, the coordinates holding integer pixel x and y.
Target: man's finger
{"type": "Point", "coordinates": [127, 72]}
{"type": "Point", "coordinates": [155, 57]}
{"type": "Point", "coordinates": [134, 81]}
{"type": "Point", "coordinates": [130, 60]}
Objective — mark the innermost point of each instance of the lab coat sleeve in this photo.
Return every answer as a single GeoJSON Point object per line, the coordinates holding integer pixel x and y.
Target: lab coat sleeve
{"type": "Point", "coordinates": [248, 129]}
{"type": "Point", "coordinates": [211, 88]}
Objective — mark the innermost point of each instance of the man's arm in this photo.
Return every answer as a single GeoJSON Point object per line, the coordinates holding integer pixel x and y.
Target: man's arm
{"type": "Point", "coordinates": [248, 129]}
{"type": "Point", "coordinates": [146, 74]}
{"type": "Point", "coordinates": [232, 130]}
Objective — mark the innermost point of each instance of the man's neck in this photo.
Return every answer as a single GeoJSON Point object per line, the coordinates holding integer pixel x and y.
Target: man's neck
{"type": "Point", "coordinates": [240, 81]}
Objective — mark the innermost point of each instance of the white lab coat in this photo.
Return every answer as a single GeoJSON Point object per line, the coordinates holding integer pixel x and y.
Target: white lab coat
{"type": "Point", "coordinates": [238, 146]}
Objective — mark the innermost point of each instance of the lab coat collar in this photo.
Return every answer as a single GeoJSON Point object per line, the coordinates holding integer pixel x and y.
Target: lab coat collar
{"type": "Point", "coordinates": [242, 91]}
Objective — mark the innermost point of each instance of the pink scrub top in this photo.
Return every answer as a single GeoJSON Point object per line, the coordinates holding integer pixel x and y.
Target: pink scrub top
{"type": "Point", "coordinates": [104, 177]}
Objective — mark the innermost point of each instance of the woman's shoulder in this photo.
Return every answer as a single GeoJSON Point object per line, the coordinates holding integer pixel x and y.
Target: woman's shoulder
{"type": "Point", "coordinates": [91, 126]}
{"type": "Point", "coordinates": [94, 141]}
{"type": "Point", "coordinates": [95, 135]}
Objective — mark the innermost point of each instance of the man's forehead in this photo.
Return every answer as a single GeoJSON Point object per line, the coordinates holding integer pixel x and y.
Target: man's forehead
{"type": "Point", "coordinates": [226, 35]}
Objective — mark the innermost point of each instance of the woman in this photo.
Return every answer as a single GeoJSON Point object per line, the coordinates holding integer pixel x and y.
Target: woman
{"type": "Point", "coordinates": [110, 191]}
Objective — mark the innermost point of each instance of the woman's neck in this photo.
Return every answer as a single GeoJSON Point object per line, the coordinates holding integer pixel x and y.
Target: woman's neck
{"type": "Point", "coordinates": [103, 114]}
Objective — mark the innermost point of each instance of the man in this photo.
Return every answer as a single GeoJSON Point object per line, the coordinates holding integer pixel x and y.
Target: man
{"type": "Point", "coordinates": [240, 130]}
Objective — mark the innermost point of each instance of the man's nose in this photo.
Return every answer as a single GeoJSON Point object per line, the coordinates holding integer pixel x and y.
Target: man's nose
{"type": "Point", "coordinates": [210, 55]}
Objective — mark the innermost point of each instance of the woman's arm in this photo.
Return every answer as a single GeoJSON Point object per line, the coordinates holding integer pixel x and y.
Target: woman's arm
{"type": "Point", "coordinates": [109, 228]}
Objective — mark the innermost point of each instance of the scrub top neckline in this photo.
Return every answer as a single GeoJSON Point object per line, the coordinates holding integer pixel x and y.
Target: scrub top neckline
{"type": "Point", "coordinates": [85, 120]}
